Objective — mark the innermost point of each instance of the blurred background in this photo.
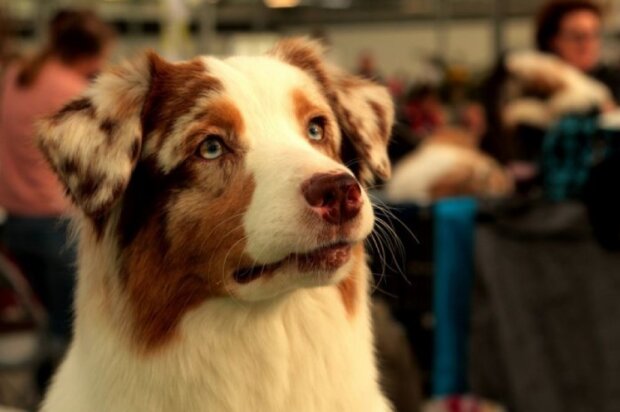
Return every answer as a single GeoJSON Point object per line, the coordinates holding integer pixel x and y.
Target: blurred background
{"type": "Point", "coordinates": [401, 34]}
{"type": "Point", "coordinates": [497, 248]}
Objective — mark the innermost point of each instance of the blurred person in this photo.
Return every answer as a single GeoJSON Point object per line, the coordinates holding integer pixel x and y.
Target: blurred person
{"type": "Point", "coordinates": [572, 30]}
{"type": "Point", "coordinates": [36, 231]}
{"type": "Point", "coordinates": [532, 96]}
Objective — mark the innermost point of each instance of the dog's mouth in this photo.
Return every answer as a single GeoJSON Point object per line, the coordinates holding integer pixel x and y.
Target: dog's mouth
{"type": "Point", "coordinates": [324, 259]}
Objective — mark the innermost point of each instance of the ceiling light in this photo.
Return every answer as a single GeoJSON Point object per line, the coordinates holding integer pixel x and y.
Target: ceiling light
{"type": "Point", "coordinates": [277, 4]}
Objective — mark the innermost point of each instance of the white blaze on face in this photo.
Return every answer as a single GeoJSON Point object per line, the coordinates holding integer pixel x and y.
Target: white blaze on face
{"type": "Point", "coordinates": [280, 157]}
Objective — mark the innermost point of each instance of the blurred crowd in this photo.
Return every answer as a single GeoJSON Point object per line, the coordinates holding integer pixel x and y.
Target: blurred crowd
{"type": "Point", "coordinates": [540, 123]}
{"type": "Point", "coordinates": [484, 105]}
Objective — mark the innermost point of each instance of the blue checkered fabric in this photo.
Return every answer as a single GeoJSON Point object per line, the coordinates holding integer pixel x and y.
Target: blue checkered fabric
{"type": "Point", "coordinates": [570, 149]}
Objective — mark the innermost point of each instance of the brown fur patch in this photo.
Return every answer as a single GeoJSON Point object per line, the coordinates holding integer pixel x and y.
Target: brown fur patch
{"type": "Point", "coordinates": [173, 92]}
{"type": "Point", "coordinates": [134, 152]}
{"type": "Point", "coordinates": [221, 117]}
{"type": "Point", "coordinates": [305, 55]}
{"type": "Point", "coordinates": [305, 110]}
{"type": "Point", "coordinates": [180, 243]}
{"type": "Point", "coordinates": [350, 288]}
{"type": "Point", "coordinates": [222, 113]}
{"type": "Point", "coordinates": [108, 127]}
{"type": "Point", "coordinates": [79, 105]}
{"type": "Point", "coordinates": [350, 130]}
{"type": "Point", "coordinates": [68, 167]}
{"type": "Point", "coordinates": [89, 185]}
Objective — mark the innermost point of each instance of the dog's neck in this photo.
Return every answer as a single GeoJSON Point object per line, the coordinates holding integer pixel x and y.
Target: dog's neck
{"type": "Point", "coordinates": [305, 338]}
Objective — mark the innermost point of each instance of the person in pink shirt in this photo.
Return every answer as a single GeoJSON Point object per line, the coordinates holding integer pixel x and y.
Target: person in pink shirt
{"type": "Point", "coordinates": [36, 230]}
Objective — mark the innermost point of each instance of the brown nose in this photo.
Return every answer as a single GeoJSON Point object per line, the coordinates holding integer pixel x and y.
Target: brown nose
{"type": "Point", "coordinates": [336, 197]}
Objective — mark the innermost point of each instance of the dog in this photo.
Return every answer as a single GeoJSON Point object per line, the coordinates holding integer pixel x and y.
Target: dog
{"type": "Point", "coordinates": [221, 260]}
{"type": "Point", "coordinates": [540, 88]}
{"type": "Point", "coordinates": [448, 163]}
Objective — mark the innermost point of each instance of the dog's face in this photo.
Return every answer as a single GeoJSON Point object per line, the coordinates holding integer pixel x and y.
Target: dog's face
{"type": "Point", "coordinates": [223, 177]}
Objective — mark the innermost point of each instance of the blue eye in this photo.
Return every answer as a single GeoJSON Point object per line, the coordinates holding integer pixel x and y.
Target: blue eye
{"type": "Point", "coordinates": [316, 129]}
{"type": "Point", "coordinates": [211, 148]}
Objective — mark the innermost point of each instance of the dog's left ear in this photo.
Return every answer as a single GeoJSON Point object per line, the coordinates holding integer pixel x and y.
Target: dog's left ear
{"type": "Point", "coordinates": [364, 109]}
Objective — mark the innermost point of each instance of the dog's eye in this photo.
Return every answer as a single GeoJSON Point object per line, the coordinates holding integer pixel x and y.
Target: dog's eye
{"type": "Point", "coordinates": [211, 148]}
{"type": "Point", "coordinates": [316, 128]}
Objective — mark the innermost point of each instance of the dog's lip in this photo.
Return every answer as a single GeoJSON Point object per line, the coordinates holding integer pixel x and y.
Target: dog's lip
{"type": "Point", "coordinates": [325, 258]}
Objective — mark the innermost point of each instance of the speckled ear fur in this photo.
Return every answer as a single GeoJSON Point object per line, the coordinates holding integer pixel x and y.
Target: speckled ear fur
{"type": "Point", "coordinates": [94, 142]}
{"type": "Point", "coordinates": [364, 109]}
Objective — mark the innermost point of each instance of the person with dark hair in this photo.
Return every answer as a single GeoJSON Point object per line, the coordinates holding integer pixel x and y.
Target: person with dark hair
{"type": "Point", "coordinates": [78, 41]}
{"type": "Point", "coordinates": [571, 30]}
{"type": "Point", "coordinates": [36, 230]}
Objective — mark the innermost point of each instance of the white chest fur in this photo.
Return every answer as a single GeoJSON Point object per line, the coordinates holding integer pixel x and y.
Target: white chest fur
{"type": "Point", "coordinates": [301, 353]}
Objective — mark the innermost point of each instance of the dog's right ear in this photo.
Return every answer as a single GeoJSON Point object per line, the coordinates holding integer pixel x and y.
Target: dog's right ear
{"type": "Point", "coordinates": [94, 142]}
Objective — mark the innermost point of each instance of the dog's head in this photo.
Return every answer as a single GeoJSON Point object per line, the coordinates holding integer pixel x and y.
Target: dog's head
{"type": "Point", "coordinates": [241, 177]}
